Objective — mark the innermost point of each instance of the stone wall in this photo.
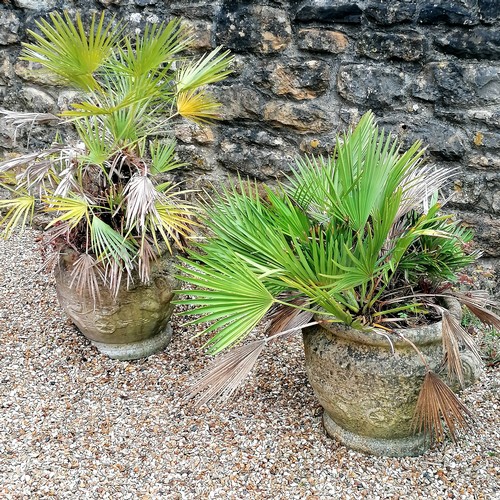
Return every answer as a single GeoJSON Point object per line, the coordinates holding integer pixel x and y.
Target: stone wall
{"type": "Point", "coordinates": [305, 70]}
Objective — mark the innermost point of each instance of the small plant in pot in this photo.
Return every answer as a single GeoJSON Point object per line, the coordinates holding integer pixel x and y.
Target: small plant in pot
{"type": "Point", "coordinates": [116, 215]}
{"type": "Point", "coordinates": [353, 251]}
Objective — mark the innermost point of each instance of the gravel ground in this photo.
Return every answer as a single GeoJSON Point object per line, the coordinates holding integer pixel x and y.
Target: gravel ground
{"type": "Point", "coordinates": [75, 424]}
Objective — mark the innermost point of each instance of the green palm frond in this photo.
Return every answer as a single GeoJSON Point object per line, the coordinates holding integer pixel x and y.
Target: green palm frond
{"type": "Point", "coordinates": [66, 49]}
{"type": "Point", "coordinates": [230, 295]}
{"type": "Point", "coordinates": [100, 144]}
{"type": "Point", "coordinates": [110, 246]}
{"type": "Point", "coordinates": [74, 209]}
{"type": "Point", "coordinates": [153, 48]}
{"type": "Point", "coordinates": [172, 221]}
{"type": "Point", "coordinates": [210, 68]}
{"type": "Point", "coordinates": [163, 157]}
{"type": "Point", "coordinates": [20, 211]}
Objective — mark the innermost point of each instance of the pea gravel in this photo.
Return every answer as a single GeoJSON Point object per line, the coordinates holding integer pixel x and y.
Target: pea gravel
{"type": "Point", "coordinates": [75, 424]}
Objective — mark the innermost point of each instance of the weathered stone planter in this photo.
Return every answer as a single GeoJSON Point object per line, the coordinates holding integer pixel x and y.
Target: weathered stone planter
{"type": "Point", "coordinates": [133, 325]}
{"type": "Point", "coordinates": [368, 393]}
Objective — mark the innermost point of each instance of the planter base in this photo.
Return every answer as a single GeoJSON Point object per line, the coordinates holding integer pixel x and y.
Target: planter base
{"type": "Point", "coordinates": [136, 350]}
{"type": "Point", "coordinates": [411, 446]}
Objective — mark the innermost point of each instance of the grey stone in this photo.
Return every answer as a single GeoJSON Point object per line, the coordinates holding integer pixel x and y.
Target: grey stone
{"type": "Point", "coordinates": [322, 40]}
{"type": "Point", "coordinates": [407, 45]}
{"type": "Point", "coordinates": [463, 12]}
{"type": "Point", "coordinates": [342, 12]}
{"type": "Point", "coordinates": [372, 86]}
{"type": "Point", "coordinates": [259, 154]}
{"type": "Point", "coordinates": [239, 101]}
{"type": "Point", "coordinates": [297, 78]}
{"type": "Point", "coordinates": [254, 28]}
{"type": "Point", "coordinates": [387, 13]}
{"type": "Point", "coordinates": [9, 27]}
{"type": "Point", "coordinates": [37, 100]}
{"type": "Point", "coordinates": [478, 43]}
{"type": "Point", "coordinates": [36, 4]}
{"type": "Point", "coordinates": [441, 139]}
{"type": "Point", "coordinates": [301, 117]}
{"type": "Point", "coordinates": [456, 84]}
{"type": "Point", "coordinates": [489, 11]}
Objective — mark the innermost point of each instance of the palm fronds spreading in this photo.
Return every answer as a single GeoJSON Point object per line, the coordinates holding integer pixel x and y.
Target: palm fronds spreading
{"type": "Point", "coordinates": [437, 403]}
{"type": "Point", "coordinates": [356, 237]}
{"type": "Point", "coordinates": [104, 196]}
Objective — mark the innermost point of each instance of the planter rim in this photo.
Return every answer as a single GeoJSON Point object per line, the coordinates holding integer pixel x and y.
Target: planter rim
{"type": "Point", "coordinates": [420, 335]}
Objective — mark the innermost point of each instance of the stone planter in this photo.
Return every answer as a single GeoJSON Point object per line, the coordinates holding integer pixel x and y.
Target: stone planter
{"type": "Point", "coordinates": [133, 325]}
{"type": "Point", "coordinates": [368, 393]}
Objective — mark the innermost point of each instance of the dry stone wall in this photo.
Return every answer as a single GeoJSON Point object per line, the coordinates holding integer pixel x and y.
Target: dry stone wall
{"type": "Point", "coordinates": [305, 70]}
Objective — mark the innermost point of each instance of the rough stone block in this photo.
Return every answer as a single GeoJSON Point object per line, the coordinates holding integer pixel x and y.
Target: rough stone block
{"type": "Point", "coordinates": [486, 229]}
{"type": "Point", "coordinates": [190, 133]}
{"type": "Point", "coordinates": [457, 84]}
{"type": "Point", "coordinates": [408, 45]}
{"type": "Point", "coordinates": [479, 43]}
{"type": "Point", "coordinates": [297, 78]}
{"type": "Point", "coordinates": [6, 69]}
{"type": "Point", "coordinates": [201, 31]}
{"type": "Point", "coordinates": [9, 27]}
{"type": "Point", "coordinates": [35, 73]}
{"type": "Point", "coordinates": [259, 154]}
{"type": "Point", "coordinates": [320, 40]}
{"type": "Point", "coordinates": [317, 11]}
{"type": "Point", "coordinates": [489, 10]}
{"type": "Point", "coordinates": [254, 28]}
{"type": "Point", "coordinates": [37, 100]}
{"type": "Point", "coordinates": [372, 86]}
{"type": "Point", "coordinates": [35, 4]}
{"type": "Point", "coordinates": [443, 140]}
{"type": "Point", "coordinates": [463, 12]}
{"type": "Point", "coordinates": [239, 102]}
{"type": "Point", "coordinates": [387, 13]}
{"type": "Point", "coordinates": [301, 117]}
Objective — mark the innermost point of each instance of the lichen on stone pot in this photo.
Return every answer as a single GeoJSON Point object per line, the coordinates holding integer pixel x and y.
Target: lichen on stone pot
{"type": "Point", "coordinates": [132, 325]}
{"type": "Point", "coordinates": [369, 393]}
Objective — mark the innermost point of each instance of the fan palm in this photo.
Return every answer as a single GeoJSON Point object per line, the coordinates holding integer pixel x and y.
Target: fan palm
{"type": "Point", "coordinates": [356, 238]}
{"type": "Point", "coordinates": [107, 195]}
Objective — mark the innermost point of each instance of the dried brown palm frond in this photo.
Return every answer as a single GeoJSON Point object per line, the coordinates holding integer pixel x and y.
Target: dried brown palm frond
{"type": "Point", "coordinates": [283, 317]}
{"type": "Point", "coordinates": [437, 403]}
{"type": "Point", "coordinates": [478, 302]}
{"type": "Point", "coordinates": [227, 373]}
{"type": "Point", "coordinates": [224, 377]}
{"type": "Point", "coordinates": [462, 336]}
{"type": "Point", "coordinates": [18, 118]}
{"type": "Point", "coordinates": [26, 159]}
{"type": "Point", "coordinates": [419, 187]}
{"type": "Point", "coordinates": [451, 348]}
{"type": "Point", "coordinates": [147, 255]}
{"type": "Point", "coordinates": [86, 275]}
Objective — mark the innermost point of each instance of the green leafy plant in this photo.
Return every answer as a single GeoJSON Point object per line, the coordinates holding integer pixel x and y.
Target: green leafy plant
{"type": "Point", "coordinates": [356, 238]}
{"type": "Point", "coordinates": [108, 195]}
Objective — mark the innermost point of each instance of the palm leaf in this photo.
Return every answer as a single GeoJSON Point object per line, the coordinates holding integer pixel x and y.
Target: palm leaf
{"type": "Point", "coordinates": [210, 68]}
{"type": "Point", "coordinates": [230, 296]}
{"type": "Point", "coordinates": [66, 49]}
{"type": "Point", "coordinates": [86, 275]}
{"type": "Point", "coordinates": [437, 402]}
{"type": "Point", "coordinates": [163, 157]}
{"type": "Point", "coordinates": [74, 209]}
{"type": "Point", "coordinates": [110, 246]}
{"type": "Point", "coordinates": [152, 48]}
{"type": "Point", "coordinates": [227, 373]}
{"type": "Point", "coordinates": [20, 210]}
{"type": "Point", "coordinates": [197, 106]}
